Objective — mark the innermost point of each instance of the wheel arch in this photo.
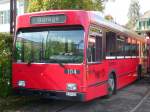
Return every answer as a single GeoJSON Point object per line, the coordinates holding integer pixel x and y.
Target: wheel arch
{"type": "Point", "coordinates": [115, 78]}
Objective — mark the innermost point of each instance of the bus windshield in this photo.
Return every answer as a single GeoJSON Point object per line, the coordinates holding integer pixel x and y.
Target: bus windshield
{"type": "Point", "coordinates": [50, 45]}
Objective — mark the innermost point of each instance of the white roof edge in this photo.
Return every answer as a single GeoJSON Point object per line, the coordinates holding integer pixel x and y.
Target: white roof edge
{"type": "Point", "coordinates": [99, 19]}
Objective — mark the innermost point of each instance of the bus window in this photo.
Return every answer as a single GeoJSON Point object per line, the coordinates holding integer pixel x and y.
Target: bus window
{"type": "Point", "coordinates": [50, 45]}
{"type": "Point", "coordinates": [110, 44]}
{"type": "Point", "coordinates": [120, 45]}
{"type": "Point", "coordinates": [138, 48]}
{"type": "Point", "coordinates": [133, 47]}
{"type": "Point", "coordinates": [128, 47]}
{"type": "Point", "coordinates": [94, 45]}
{"type": "Point", "coordinates": [144, 50]}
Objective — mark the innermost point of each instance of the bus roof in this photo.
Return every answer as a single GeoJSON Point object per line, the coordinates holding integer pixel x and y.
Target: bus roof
{"type": "Point", "coordinates": [95, 17]}
{"type": "Point", "coordinates": [91, 17]}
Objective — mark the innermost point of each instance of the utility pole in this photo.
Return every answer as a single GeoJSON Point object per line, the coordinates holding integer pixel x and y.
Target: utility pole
{"type": "Point", "coordinates": [13, 10]}
{"type": "Point", "coordinates": [11, 18]}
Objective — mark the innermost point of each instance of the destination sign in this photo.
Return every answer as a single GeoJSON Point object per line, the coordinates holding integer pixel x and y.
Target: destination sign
{"type": "Point", "coordinates": [49, 19]}
{"type": "Point", "coordinates": [95, 31]}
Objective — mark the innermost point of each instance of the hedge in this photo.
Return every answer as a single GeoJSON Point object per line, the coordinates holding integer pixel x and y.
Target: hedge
{"type": "Point", "coordinates": [5, 63]}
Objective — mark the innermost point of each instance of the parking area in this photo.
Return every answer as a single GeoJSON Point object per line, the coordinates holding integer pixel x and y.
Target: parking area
{"type": "Point", "coordinates": [134, 98]}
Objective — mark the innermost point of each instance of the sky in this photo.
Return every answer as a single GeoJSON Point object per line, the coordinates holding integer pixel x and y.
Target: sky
{"type": "Point", "coordinates": [119, 9]}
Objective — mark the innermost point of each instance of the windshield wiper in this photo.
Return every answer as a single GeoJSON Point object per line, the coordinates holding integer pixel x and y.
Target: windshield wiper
{"type": "Point", "coordinates": [61, 64]}
{"type": "Point", "coordinates": [29, 62]}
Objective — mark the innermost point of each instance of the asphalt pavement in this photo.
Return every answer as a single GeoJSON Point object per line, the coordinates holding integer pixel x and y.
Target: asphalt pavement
{"type": "Point", "coordinates": [133, 98]}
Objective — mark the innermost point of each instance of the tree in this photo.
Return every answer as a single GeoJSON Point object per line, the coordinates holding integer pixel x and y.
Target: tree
{"type": "Point", "coordinates": [133, 14]}
{"type": "Point", "coordinates": [6, 42]}
{"type": "Point", "coordinates": [109, 17]}
{"type": "Point", "coordinates": [38, 5]}
{"type": "Point", "coordinates": [34, 5]}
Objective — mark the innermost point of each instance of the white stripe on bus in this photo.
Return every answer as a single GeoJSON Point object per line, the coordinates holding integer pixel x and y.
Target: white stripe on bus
{"type": "Point", "coordinates": [110, 57]}
{"type": "Point", "coordinates": [120, 57]}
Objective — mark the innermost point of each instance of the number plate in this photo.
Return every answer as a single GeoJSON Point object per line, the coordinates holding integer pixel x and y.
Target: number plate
{"type": "Point", "coordinates": [71, 94]}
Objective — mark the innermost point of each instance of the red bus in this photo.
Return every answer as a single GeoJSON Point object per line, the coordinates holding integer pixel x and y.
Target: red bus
{"type": "Point", "coordinates": [74, 55]}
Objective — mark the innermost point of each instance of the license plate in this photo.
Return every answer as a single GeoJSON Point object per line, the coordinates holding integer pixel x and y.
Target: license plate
{"type": "Point", "coordinates": [71, 94]}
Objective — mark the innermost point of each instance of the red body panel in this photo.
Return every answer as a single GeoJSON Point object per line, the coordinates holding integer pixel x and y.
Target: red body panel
{"type": "Point", "coordinates": [126, 73]}
{"type": "Point", "coordinates": [46, 76]}
{"type": "Point", "coordinates": [52, 77]}
{"type": "Point", "coordinates": [73, 18]}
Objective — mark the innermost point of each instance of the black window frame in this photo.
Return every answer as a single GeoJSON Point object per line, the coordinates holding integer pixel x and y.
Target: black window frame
{"type": "Point", "coordinates": [100, 36]}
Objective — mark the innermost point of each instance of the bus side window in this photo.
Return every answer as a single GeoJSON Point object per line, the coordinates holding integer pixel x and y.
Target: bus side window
{"type": "Point", "coordinates": [144, 50]}
{"type": "Point", "coordinates": [138, 45]}
{"type": "Point", "coordinates": [120, 45]}
{"type": "Point", "coordinates": [134, 47]}
{"type": "Point", "coordinates": [94, 51]}
{"type": "Point", "coordinates": [110, 44]}
{"type": "Point", "coordinates": [91, 49]}
{"type": "Point", "coordinates": [127, 47]}
{"type": "Point", "coordinates": [98, 50]}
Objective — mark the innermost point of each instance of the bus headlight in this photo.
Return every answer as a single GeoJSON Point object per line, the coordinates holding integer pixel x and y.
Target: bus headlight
{"type": "Point", "coordinates": [21, 83]}
{"type": "Point", "coordinates": [71, 86]}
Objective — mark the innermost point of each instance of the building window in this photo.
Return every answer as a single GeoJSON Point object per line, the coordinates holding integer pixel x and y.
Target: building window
{"type": "Point", "coordinates": [4, 17]}
{"type": "Point", "coordinates": [148, 22]}
{"type": "Point", "coordinates": [1, 18]}
{"type": "Point", "coordinates": [140, 25]}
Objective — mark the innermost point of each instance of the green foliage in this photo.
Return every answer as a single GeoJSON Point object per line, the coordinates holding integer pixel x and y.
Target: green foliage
{"type": "Point", "coordinates": [34, 5]}
{"type": "Point", "coordinates": [109, 18]}
{"type": "Point", "coordinates": [5, 64]}
{"type": "Point", "coordinates": [39, 5]}
{"type": "Point", "coordinates": [133, 14]}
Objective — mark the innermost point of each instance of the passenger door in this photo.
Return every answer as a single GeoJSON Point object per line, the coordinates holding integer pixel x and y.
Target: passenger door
{"type": "Point", "coordinates": [95, 60]}
{"type": "Point", "coordinates": [148, 55]}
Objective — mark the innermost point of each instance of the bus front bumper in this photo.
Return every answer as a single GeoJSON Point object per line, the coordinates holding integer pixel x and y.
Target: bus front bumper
{"type": "Point", "coordinates": [60, 95]}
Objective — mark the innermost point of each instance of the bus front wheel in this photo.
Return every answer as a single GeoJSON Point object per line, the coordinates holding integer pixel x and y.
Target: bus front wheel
{"type": "Point", "coordinates": [111, 85]}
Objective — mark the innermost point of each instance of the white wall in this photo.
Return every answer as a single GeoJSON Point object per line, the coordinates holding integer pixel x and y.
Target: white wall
{"type": "Point", "coordinates": [6, 6]}
{"type": "Point", "coordinates": [4, 27]}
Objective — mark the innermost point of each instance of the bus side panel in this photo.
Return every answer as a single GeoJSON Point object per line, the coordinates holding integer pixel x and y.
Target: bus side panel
{"type": "Point", "coordinates": [96, 91]}
{"type": "Point", "coordinates": [97, 80]}
{"type": "Point", "coordinates": [126, 71]}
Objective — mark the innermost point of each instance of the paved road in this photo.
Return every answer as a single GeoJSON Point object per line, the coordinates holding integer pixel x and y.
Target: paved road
{"type": "Point", "coordinates": [134, 98]}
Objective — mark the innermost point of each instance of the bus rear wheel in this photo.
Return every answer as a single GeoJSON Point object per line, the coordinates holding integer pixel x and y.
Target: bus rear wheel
{"type": "Point", "coordinates": [139, 71]}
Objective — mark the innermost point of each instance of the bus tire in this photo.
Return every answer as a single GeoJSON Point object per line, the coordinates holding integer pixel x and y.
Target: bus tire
{"type": "Point", "coordinates": [139, 71]}
{"type": "Point", "coordinates": [111, 85]}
